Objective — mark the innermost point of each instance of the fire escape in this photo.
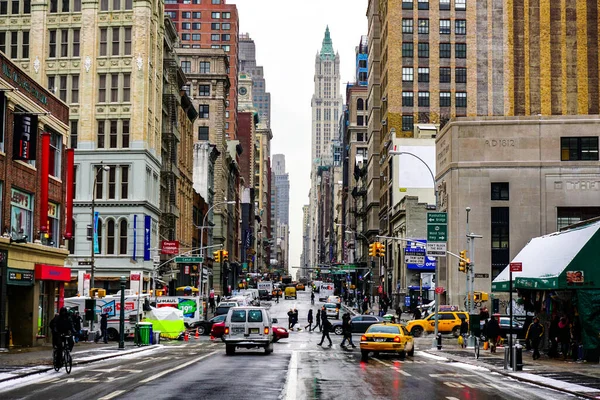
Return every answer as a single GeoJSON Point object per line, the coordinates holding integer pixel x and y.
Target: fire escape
{"type": "Point", "coordinates": [170, 141]}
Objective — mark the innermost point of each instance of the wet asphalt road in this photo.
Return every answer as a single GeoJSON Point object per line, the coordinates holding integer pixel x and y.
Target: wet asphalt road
{"type": "Point", "coordinates": [298, 369]}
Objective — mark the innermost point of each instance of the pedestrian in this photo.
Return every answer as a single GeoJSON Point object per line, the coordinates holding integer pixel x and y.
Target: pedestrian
{"type": "Point", "coordinates": [326, 328]}
{"type": "Point", "coordinates": [535, 333]}
{"type": "Point", "coordinates": [318, 322]}
{"type": "Point", "coordinates": [310, 320]}
{"type": "Point", "coordinates": [218, 299]}
{"type": "Point", "coordinates": [417, 313]}
{"type": "Point", "coordinates": [295, 318]}
{"type": "Point", "coordinates": [77, 321]}
{"type": "Point", "coordinates": [290, 318]}
{"type": "Point", "coordinates": [277, 293]}
{"type": "Point", "coordinates": [492, 332]}
{"type": "Point", "coordinates": [576, 351]}
{"type": "Point", "coordinates": [103, 328]}
{"type": "Point", "coordinates": [365, 306]}
{"type": "Point", "coordinates": [312, 297]}
{"type": "Point", "coordinates": [553, 336]}
{"type": "Point", "coordinates": [464, 330]}
{"type": "Point", "coordinates": [564, 336]}
{"type": "Point", "coordinates": [347, 331]}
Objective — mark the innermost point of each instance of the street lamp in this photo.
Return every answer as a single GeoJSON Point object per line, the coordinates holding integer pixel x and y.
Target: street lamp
{"type": "Point", "coordinates": [99, 169]}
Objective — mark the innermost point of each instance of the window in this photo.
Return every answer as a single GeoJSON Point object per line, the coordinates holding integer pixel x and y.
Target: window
{"type": "Point", "coordinates": [461, 99]}
{"type": "Point", "coordinates": [186, 25]}
{"type": "Point", "coordinates": [123, 236]}
{"type": "Point", "coordinates": [195, 37]}
{"type": "Point", "coordinates": [99, 237]}
{"type": "Point", "coordinates": [423, 75]}
{"type": "Point", "coordinates": [360, 104]}
{"type": "Point", "coordinates": [204, 90]}
{"type": "Point", "coordinates": [3, 42]}
{"type": "Point", "coordinates": [423, 99]}
{"type": "Point", "coordinates": [216, 1]}
{"type": "Point", "coordinates": [203, 111]}
{"type": "Point", "coordinates": [407, 4]}
{"type": "Point", "coordinates": [65, 86]}
{"type": "Point", "coordinates": [444, 4]}
{"type": "Point", "coordinates": [571, 215]}
{"type": "Point", "coordinates": [215, 46]}
{"type": "Point", "coordinates": [21, 214]}
{"type": "Point", "coordinates": [115, 41]}
{"type": "Point", "coordinates": [423, 26]}
{"type": "Point", "coordinates": [196, 26]}
{"type": "Point", "coordinates": [255, 316]}
{"type": "Point", "coordinates": [407, 25]}
{"type": "Point", "coordinates": [460, 4]}
{"type": "Point", "coordinates": [225, 37]}
{"type": "Point", "coordinates": [204, 67]}
{"type": "Point", "coordinates": [460, 75]}
{"type": "Point", "coordinates": [444, 26]}
{"type": "Point", "coordinates": [408, 99]}
{"type": "Point", "coordinates": [125, 133]}
{"type": "Point", "coordinates": [360, 119]}
{"type": "Point", "coordinates": [423, 4]}
{"type": "Point", "coordinates": [203, 133]}
{"type": "Point", "coordinates": [215, 15]}
{"type": "Point", "coordinates": [407, 49]}
{"type": "Point", "coordinates": [18, 43]}
{"type": "Point", "coordinates": [54, 158]}
{"type": "Point", "coordinates": [423, 50]}
{"type": "Point", "coordinates": [103, 42]}
{"type": "Point", "coordinates": [226, 15]}
{"type": "Point", "coordinates": [197, 15]}
{"type": "Point", "coordinates": [499, 190]}
{"type": "Point", "coordinates": [115, 5]}
{"type": "Point", "coordinates": [445, 99]}
{"type": "Point", "coordinates": [170, 14]}
{"type": "Point", "coordinates": [185, 36]}
{"type": "Point", "coordinates": [52, 43]}
{"type": "Point", "coordinates": [186, 15]}
{"type": "Point", "coordinates": [110, 236]}
{"type": "Point", "coordinates": [238, 315]}
{"type": "Point", "coordinates": [460, 50]}
{"type": "Point", "coordinates": [407, 123]}
{"type": "Point", "coordinates": [407, 74]}
{"type": "Point", "coordinates": [126, 88]}
{"type": "Point", "coordinates": [460, 27]}
{"type": "Point", "coordinates": [215, 37]}
{"type": "Point", "coordinates": [226, 26]}
{"type": "Point", "coordinates": [118, 130]}
{"type": "Point", "coordinates": [445, 76]}
{"type": "Point", "coordinates": [74, 132]}
{"type": "Point", "coordinates": [120, 88]}
{"type": "Point", "coordinates": [117, 37]}
{"type": "Point", "coordinates": [579, 148]}
{"type": "Point", "coordinates": [445, 50]}
{"type": "Point", "coordinates": [114, 88]}
{"type": "Point", "coordinates": [53, 225]}
{"type": "Point", "coordinates": [215, 26]}
{"type": "Point", "coordinates": [75, 44]}
{"type": "Point", "coordinates": [500, 225]}
{"type": "Point", "coordinates": [186, 66]}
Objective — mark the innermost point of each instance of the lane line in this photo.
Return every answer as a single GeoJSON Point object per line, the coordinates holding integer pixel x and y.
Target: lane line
{"type": "Point", "coordinates": [112, 395]}
{"type": "Point", "coordinates": [452, 398]}
{"type": "Point", "coordinates": [292, 378]}
{"type": "Point", "coordinates": [392, 367]}
{"type": "Point", "coordinates": [151, 378]}
{"type": "Point", "coordinates": [402, 372]}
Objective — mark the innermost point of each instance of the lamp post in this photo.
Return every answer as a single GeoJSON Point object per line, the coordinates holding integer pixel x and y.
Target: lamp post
{"type": "Point", "coordinates": [101, 168]}
{"type": "Point", "coordinates": [437, 275]}
{"type": "Point", "coordinates": [122, 314]}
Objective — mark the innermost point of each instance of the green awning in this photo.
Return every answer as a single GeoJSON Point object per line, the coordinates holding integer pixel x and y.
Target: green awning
{"type": "Point", "coordinates": [561, 260]}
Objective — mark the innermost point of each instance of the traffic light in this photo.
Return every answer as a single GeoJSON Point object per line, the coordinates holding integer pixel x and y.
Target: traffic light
{"type": "Point", "coordinates": [462, 264]}
{"type": "Point", "coordinates": [217, 255]}
{"type": "Point", "coordinates": [380, 250]}
{"type": "Point", "coordinates": [480, 296]}
{"type": "Point", "coordinates": [373, 249]}
{"type": "Point", "coordinates": [224, 255]}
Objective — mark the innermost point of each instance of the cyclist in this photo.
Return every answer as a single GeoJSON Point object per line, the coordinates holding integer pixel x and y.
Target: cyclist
{"type": "Point", "coordinates": [60, 325]}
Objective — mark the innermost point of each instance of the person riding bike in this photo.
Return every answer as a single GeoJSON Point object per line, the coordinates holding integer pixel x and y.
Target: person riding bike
{"type": "Point", "coordinates": [60, 325]}
{"type": "Point", "coordinates": [312, 297]}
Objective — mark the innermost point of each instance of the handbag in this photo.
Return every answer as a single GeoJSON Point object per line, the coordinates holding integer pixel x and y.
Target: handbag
{"type": "Point", "coordinates": [461, 341]}
{"type": "Point", "coordinates": [486, 345]}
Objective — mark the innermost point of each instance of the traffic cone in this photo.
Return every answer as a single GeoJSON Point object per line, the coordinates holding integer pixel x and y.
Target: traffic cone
{"type": "Point", "coordinates": [186, 336]}
{"type": "Point", "coordinates": [196, 336]}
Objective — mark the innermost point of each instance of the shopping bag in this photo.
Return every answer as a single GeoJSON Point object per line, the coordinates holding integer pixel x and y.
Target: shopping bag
{"type": "Point", "coordinates": [461, 340]}
{"type": "Point", "coordinates": [486, 345]}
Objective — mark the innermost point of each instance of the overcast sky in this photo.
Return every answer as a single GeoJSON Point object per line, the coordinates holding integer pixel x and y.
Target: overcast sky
{"type": "Point", "coordinates": [288, 35]}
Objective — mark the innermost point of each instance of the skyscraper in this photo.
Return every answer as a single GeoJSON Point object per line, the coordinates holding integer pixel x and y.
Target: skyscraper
{"type": "Point", "coordinates": [282, 183]}
{"type": "Point", "coordinates": [247, 63]}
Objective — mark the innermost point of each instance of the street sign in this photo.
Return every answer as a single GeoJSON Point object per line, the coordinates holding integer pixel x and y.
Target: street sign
{"type": "Point", "coordinates": [439, 290]}
{"type": "Point", "coordinates": [437, 227]}
{"type": "Point", "coordinates": [482, 275]}
{"type": "Point", "coordinates": [190, 260]}
{"type": "Point", "coordinates": [436, 249]}
{"type": "Point", "coordinates": [412, 259]}
{"type": "Point", "coordinates": [516, 267]}
{"type": "Point", "coordinates": [169, 247]}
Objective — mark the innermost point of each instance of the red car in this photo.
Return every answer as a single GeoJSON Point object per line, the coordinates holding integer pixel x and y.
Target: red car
{"type": "Point", "coordinates": [218, 330]}
{"type": "Point", "coordinates": [279, 333]}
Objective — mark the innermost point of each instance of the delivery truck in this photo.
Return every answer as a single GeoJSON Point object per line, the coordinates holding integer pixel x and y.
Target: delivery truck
{"type": "Point", "coordinates": [191, 306]}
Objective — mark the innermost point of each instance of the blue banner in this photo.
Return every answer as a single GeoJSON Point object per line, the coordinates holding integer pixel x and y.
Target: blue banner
{"type": "Point", "coordinates": [96, 246]}
{"type": "Point", "coordinates": [414, 249]}
{"type": "Point", "coordinates": [134, 238]}
{"type": "Point", "coordinates": [147, 228]}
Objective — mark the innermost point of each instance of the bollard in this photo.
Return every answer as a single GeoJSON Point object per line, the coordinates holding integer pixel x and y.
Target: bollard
{"type": "Point", "coordinates": [517, 358]}
{"type": "Point", "coordinates": [506, 357]}
{"type": "Point", "coordinates": [439, 341]}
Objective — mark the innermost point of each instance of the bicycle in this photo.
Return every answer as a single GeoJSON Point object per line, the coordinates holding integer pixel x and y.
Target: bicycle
{"type": "Point", "coordinates": [60, 358]}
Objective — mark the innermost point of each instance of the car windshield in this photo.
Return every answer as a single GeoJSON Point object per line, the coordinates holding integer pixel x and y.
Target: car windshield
{"type": "Point", "coordinates": [383, 329]}
{"type": "Point", "coordinates": [238, 316]}
{"type": "Point", "coordinates": [329, 305]}
{"type": "Point", "coordinates": [219, 318]}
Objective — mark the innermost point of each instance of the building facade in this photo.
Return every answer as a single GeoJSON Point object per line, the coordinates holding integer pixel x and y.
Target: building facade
{"type": "Point", "coordinates": [247, 63]}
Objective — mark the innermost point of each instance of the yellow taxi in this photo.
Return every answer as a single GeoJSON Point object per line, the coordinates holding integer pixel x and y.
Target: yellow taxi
{"type": "Point", "coordinates": [300, 286]}
{"type": "Point", "coordinates": [448, 322]}
{"type": "Point", "coordinates": [386, 338]}
{"type": "Point", "coordinates": [277, 291]}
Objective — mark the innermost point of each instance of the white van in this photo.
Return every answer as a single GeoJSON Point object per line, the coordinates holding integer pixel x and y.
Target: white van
{"type": "Point", "coordinates": [248, 327]}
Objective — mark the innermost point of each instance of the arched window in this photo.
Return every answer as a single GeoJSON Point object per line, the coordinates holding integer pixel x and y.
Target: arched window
{"type": "Point", "coordinates": [99, 236]}
{"type": "Point", "coordinates": [123, 236]}
{"type": "Point", "coordinates": [360, 104]}
{"type": "Point", "coordinates": [110, 236]}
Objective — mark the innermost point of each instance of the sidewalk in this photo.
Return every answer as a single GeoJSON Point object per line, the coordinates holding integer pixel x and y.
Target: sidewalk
{"type": "Point", "coordinates": [578, 378]}
{"type": "Point", "coordinates": [17, 363]}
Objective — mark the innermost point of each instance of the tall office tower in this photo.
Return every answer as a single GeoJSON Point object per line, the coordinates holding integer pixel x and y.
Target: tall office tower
{"type": "Point", "coordinates": [85, 52]}
{"type": "Point", "coordinates": [211, 24]}
{"type": "Point", "coordinates": [304, 257]}
{"type": "Point", "coordinates": [247, 63]}
{"type": "Point", "coordinates": [282, 182]}
{"type": "Point", "coordinates": [326, 106]}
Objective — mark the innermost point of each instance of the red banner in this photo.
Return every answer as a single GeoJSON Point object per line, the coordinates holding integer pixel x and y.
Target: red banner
{"type": "Point", "coordinates": [169, 247]}
{"type": "Point", "coordinates": [45, 170]}
{"type": "Point", "coordinates": [47, 272]}
{"type": "Point", "coordinates": [69, 194]}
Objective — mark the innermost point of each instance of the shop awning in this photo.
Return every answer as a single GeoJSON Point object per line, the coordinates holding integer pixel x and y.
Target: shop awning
{"type": "Point", "coordinates": [561, 260]}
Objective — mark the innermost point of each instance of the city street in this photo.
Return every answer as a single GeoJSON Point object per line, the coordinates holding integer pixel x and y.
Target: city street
{"type": "Point", "coordinates": [298, 369]}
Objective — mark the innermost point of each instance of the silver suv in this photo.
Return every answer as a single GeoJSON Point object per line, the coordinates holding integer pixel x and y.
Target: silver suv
{"type": "Point", "coordinates": [248, 327]}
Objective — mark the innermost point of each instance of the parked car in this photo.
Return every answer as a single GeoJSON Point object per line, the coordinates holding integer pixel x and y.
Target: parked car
{"type": "Point", "coordinates": [332, 310]}
{"type": "Point", "coordinates": [280, 333]}
{"type": "Point", "coordinates": [264, 294]}
{"type": "Point", "coordinates": [448, 322]}
{"type": "Point", "coordinates": [359, 323]}
{"type": "Point", "coordinates": [222, 309]}
{"type": "Point", "coordinates": [248, 327]}
{"type": "Point", "coordinates": [387, 338]}
{"type": "Point", "coordinates": [204, 327]}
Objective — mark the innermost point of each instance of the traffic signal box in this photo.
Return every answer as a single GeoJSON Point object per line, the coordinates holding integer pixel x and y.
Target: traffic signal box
{"type": "Point", "coordinates": [217, 255]}
{"type": "Point", "coordinates": [224, 255]}
{"type": "Point", "coordinates": [380, 250]}
{"type": "Point", "coordinates": [463, 262]}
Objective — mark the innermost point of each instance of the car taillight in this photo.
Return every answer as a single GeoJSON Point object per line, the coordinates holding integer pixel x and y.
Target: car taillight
{"type": "Point", "coordinates": [363, 338]}
{"type": "Point", "coordinates": [266, 331]}
{"type": "Point", "coordinates": [397, 339]}
{"type": "Point", "coordinates": [227, 331]}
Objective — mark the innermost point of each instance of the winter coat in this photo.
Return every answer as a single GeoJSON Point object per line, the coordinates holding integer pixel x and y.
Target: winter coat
{"type": "Point", "coordinates": [318, 317]}
{"type": "Point", "coordinates": [104, 321]}
{"type": "Point", "coordinates": [493, 329]}
{"type": "Point", "coordinates": [564, 331]}
{"type": "Point", "coordinates": [310, 316]}
{"type": "Point", "coordinates": [464, 327]}
{"type": "Point", "coordinates": [535, 331]}
{"type": "Point", "coordinates": [62, 324]}
{"type": "Point", "coordinates": [346, 324]}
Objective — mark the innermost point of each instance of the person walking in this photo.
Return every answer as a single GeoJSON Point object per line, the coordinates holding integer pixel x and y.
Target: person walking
{"type": "Point", "coordinates": [290, 318]}
{"type": "Point", "coordinates": [310, 320]}
{"type": "Point", "coordinates": [318, 322]}
{"type": "Point", "coordinates": [492, 332]}
{"type": "Point", "coordinates": [77, 322]}
{"type": "Point", "coordinates": [553, 336]}
{"type": "Point", "coordinates": [464, 331]}
{"type": "Point", "coordinates": [564, 336]}
{"type": "Point", "coordinates": [535, 333]}
{"type": "Point", "coordinates": [103, 328]}
{"type": "Point", "coordinates": [326, 328]}
{"type": "Point", "coordinates": [365, 306]}
{"type": "Point", "coordinates": [347, 331]}
{"type": "Point", "coordinates": [417, 313]}
{"type": "Point", "coordinates": [295, 318]}
{"type": "Point", "coordinates": [312, 297]}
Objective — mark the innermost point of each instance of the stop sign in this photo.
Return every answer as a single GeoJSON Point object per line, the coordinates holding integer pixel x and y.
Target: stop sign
{"type": "Point", "coordinates": [439, 290]}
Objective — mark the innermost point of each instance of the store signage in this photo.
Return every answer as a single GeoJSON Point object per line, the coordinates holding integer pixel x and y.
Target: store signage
{"type": "Point", "coordinates": [147, 227]}
{"type": "Point", "coordinates": [21, 199]}
{"type": "Point", "coordinates": [53, 210]}
{"type": "Point", "coordinates": [169, 247]}
{"type": "Point", "coordinates": [20, 277]}
{"type": "Point", "coordinates": [25, 137]}
{"type": "Point", "coordinates": [23, 82]}
{"type": "Point", "coordinates": [47, 272]}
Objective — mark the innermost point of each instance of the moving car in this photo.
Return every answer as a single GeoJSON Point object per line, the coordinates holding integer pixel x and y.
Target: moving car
{"type": "Point", "coordinates": [448, 322]}
{"type": "Point", "coordinates": [217, 330]}
{"type": "Point", "coordinates": [332, 310]}
{"type": "Point", "coordinates": [248, 327]}
{"type": "Point", "coordinates": [204, 327]}
{"type": "Point", "coordinates": [277, 291]}
{"type": "Point", "coordinates": [359, 323]}
{"type": "Point", "coordinates": [280, 333]}
{"type": "Point", "coordinates": [300, 286]}
{"type": "Point", "coordinates": [386, 338]}
{"type": "Point", "coordinates": [290, 292]}
{"type": "Point", "coordinates": [264, 294]}
{"type": "Point", "coordinates": [334, 299]}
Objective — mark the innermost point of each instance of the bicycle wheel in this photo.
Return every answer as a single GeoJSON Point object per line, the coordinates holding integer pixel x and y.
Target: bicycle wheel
{"type": "Point", "coordinates": [55, 361]}
{"type": "Point", "coordinates": [68, 361]}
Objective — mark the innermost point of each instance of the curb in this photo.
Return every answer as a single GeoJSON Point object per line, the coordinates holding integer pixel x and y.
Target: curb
{"type": "Point", "coordinates": [83, 362]}
{"type": "Point", "coordinates": [501, 371]}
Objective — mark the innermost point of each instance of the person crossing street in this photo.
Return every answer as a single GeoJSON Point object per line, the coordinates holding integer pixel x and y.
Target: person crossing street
{"type": "Point", "coordinates": [326, 328]}
{"type": "Point", "coordinates": [310, 320]}
{"type": "Point", "coordinates": [318, 322]}
{"type": "Point", "coordinates": [347, 331]}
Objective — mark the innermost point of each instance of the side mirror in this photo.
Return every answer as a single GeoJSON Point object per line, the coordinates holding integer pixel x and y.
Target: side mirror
{"type": "Point", "coordinates": [274, 320]}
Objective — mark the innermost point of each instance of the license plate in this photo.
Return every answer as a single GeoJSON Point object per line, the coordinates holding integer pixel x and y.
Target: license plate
{"type": "Point", "coordinates": [253, 330]}
{"type": "Point", "coordinates": [379, 340]}
{"type": "Point", "coordinates": [237, 330]}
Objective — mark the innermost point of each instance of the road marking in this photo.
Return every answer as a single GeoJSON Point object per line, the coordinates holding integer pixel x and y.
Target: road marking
{"type": "Point", "coordinates": [150, 379]}
{"type": "Point", "coordinates": [452, 398]}
{"type": "Point", "coordinates": [213, 344]}
{"type": "Point", "coordinates": [393, 367]}
{"type": "Point", "coordinates": [447, 375]}
{"type": "Point", "coordinates": [292, 378]}
{"type": "Point", "coordinates": [112, 395]}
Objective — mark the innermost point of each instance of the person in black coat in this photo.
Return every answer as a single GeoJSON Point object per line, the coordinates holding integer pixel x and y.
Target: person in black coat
{"type": "Point", "coordinates": [103, 328]}
{"type": "Point", "coordinates": [347, 331]}
{"type": "Point", "coordinates": [290, 318]}
{"type": "Point", "coordinates": [310, 320]}
{"type": "Point", "coordinates": [553, 336]}
{"type": "Point", "coordinates": [492, 332]}
{"type": "Point", "coordinates": [464, 331]}
{"type": "Point", "coordinates": [62, 324]}
{"type": "Point", "coordinates": [326, 328]}
{"type": "Point", "coordinates": [318, 322]}
{"type": "Point", "coordinates": [295, 318]}
{"type": "Point", "coordinates": [77, 321]}
{"type": "Point", "coordinates": [535, 333]}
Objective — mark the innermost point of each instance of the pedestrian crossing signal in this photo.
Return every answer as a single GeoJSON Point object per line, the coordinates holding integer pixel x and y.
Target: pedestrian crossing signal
{"type": "Point", "coordinates": [224, 255]}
